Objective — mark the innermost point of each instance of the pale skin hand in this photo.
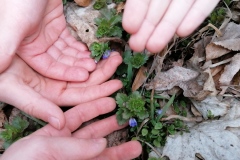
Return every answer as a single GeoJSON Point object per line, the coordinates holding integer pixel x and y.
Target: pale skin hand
{"type": "Point", "coordinates": [152, 23]}
{"type": "Point", "coordinates": [39, 96]}
{"type": "Point", "coordinates": [36, 31]}
{"type": "Point", "coordinates": [86, 143]}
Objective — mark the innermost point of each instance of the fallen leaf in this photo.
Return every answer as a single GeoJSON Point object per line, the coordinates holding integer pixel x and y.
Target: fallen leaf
{"type": "Point", "coordinates": [211, 104]}
{"type": "Point", "coordinates": [214, 51]}
{"type": "Point", "coordinates": [2, 118]}
{"type": "Point", "coordinates": [234, 110]}
{"type": "Point", "coordinates": [140, 78]}
{"type": "Point", "coordinates": [229, 72]}
{"type": "Point", "coordinates": [212, 140]}
{"type": "Point", "coordinates": [209, 84]}
{"type": "Point", "coordinates": [173, 77]}
{"type": "Point", "coordinates": [83, 3]}
{"type": "Point", "coordinates": [216, 70]}
{"type": "Point", "coordinates": [120, 7]}
{"type": "Point", "coordinates": [82, 21]}
{"type": "Point", "coordinates": [199, 52]}
{"type": "Point", "coordinates": [223, 45]}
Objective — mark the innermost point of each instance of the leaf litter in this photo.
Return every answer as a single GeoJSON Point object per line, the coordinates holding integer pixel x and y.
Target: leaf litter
{"type": "Point", "coordinates": [213, 89]}
{"type": "Point", "coordinates": [210, 78]}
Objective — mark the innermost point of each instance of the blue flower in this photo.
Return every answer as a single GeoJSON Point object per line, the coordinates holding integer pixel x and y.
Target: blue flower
{"type": "Point", "coordinates": [132, 122]}
{"type": "Point", "coordinates": [159, 111]}
{"type": "Point", "coordinates": [106, 54]}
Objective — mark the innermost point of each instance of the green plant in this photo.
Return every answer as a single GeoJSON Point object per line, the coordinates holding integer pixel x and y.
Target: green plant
{"type": "Point", "coordinates": [119, 1]}
{"type": "Point", "coordinates": [98, 49]}
{"type": "Point", "coordinates": [64, 2]}
{"type": "Point", "coordinates": [109, 24]}
{"type": "Point", "coordinates": [132, 106]}
{"type": "Point", "coordinates": [99, 4]}
{"type": "Point", "coordinates": [131, 62]}
{"type": "Point", "coordinates": [210, 115]}
{"type": "Point", "coordinates": [217, 16]}
{"type": "Point", "coordinates": [153, 158]}
{"type": "Point", "coordinates": [14, 131]}
{"type": "Point", "coordinates": [144, 116]}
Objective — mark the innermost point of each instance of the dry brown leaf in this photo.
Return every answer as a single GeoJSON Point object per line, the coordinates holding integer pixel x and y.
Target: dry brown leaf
{"type": "Point", "coordinates": [213, 140]}
{"type": "Point", "coordinates": [193, 86]}
{"type": "Point", "coordinates": [230, 71]}
{"type": "Point", "coordinates": [199, 52]}
{"type": "Point", "coordinates": [214, 51]}
{"type": "Point", "coordinates": [195, 111]}
{"type": "Point", "coordinates": [211, 104]}
{"type": "Point", "coordinates": [140, 78]}
{"type": "Point", "coordinates": [173, 77]}
{"type": "Point", "coordinates": [120, 7]}
{"type": "Point", "coordinates": [228, 42]}
{"type": "Point", "coordinates": [2, 118]}
{"type": "Point", "coordinates": [82, 21]}
{"type": "Point", "coordinates": [83, 3]}
{"type": "Point", "coordinates": [216, 70]}
{"type": "Point", "coordinates": [209, 84]}
{"type": "Point", "coordinates": [234, 111]}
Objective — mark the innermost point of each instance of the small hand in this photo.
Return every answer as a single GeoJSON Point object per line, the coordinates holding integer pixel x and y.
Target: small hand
{"type": "Point", "coordinates": [36, 31]}
{"type": "Point", "coordinates": [152, 23]}
{"type": "Point", "coordinates": [39, 96]}
{"type": "Point", "coordinates": [86, 143]}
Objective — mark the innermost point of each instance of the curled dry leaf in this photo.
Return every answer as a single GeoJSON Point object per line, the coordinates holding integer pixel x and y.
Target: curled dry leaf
{"type": "Point", "coordinates": [228, 42]}
{"type": "Point", "coordinates": [120, 7]}
{"type": "Point", "coordinates": [199, 52]}
{"type": "Point", "coordinates": [229, 72]}
{"type": "Point", "coordinates": [209, 84]}
{"type": "Point", "coordinates": [214, 51]}
{"type": "Point", "coordinates": [211, 105]}
{"type": "Point", "coordinates": [140, 78]}
{"type": "Point", "coordinates": [173, 77]}
{"type": "Point", "coordinates": [194, 85]}
{"type": "Point", "coordinates": [212, 140]}
{"type": "Point", "coordinates": [82, 21]}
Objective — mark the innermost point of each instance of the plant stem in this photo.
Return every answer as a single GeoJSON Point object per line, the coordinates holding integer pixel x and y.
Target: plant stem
{"type": "Point", "coordinates": [152, 105]}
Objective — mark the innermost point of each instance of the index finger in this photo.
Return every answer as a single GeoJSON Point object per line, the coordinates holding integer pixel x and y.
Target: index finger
{"type": "Point", "coordinates": [134, 14]}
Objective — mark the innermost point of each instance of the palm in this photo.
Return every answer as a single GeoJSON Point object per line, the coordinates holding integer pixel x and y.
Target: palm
{"type": "Point", "coordinates": [70, 143]}
{"type": "Point", "coordinates": [40, 96]}
{"type": "Point", "coordinates": [46, 44]}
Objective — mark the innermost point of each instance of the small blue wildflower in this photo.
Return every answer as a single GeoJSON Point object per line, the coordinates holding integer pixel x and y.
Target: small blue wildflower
{"type": "Point", "coordinates": [158, 111]}
{"type": "Point", "coordinates": [106, 54]}
{"type": "Point", "coordinates": [132, 122]}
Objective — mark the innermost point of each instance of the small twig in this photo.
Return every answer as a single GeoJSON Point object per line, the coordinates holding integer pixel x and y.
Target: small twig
{"type": "Point", "coordinates": [159, 154]}
{"type": "Point", "coordinates": [193, 119]}
{"type": "Point", "coordinates": [219, 33]}
{"type": "Point", "coordinates": [230, 95]}
{"type": "Point", "coordinates": [220, 63]}
{"type": "Point", "coordinates": [142, 124]}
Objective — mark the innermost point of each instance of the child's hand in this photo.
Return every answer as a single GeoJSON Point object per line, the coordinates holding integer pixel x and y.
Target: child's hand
{"type": "Point", "coordinates": [152, 23]}
{"type": "Point", "coordinates": [36, 31]}
{"type": "Point", "coordinates": [41, 97]}
{"type": "Point", "coordinates": [70, 143]}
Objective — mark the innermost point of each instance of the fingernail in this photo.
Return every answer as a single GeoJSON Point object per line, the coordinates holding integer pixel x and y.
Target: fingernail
{"type": "Point", "coordinates": [54, 122]}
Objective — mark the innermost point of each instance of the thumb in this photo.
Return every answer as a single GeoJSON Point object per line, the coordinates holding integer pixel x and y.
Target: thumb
{"type": "Point", "coordinates": [74, 148]}
{"type": "Point", "coordinates": [26, 99]}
